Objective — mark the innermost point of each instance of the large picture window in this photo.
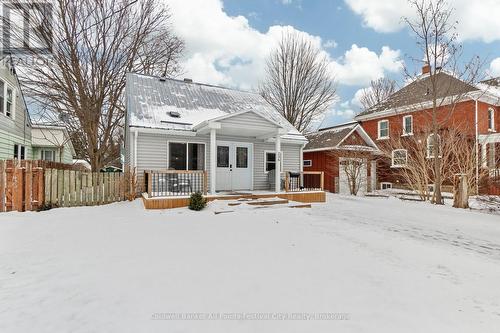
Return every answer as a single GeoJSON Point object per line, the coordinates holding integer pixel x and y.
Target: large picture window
{"type": "Point", "coordinates": [186, 156]}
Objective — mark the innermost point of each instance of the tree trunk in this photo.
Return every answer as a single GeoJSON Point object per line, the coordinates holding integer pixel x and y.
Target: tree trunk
{"type": "Point", "coordinates": [461, 192]}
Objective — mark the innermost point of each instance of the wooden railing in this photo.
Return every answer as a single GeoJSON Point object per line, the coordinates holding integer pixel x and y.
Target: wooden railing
{"type": "Point", "coordinates": [304, 181]}
{"type": "Point", "coordinates": [164, 183]}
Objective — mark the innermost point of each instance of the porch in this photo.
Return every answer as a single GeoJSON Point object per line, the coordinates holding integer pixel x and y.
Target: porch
{"type": "Point", "coordinates": [166, 189]}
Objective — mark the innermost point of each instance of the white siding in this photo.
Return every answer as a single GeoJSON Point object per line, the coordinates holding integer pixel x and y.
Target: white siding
{"type": "Point", "coordinates": [152, 154]}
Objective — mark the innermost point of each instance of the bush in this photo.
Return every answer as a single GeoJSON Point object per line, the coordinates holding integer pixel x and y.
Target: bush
{"type": "Point", "coordinates": [46, 206]}
{"type": "Point", "coordinates": [197, 201]}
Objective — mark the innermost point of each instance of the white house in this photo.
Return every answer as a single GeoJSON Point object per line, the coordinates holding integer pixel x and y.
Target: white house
{"type": "Point", "coordinates": [232, 135]}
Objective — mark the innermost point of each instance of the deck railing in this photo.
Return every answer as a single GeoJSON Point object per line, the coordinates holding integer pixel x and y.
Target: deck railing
{"type": "Point", "coordinates": [164, 183]}
{"type": "Point", "coordinates": [304, 181]}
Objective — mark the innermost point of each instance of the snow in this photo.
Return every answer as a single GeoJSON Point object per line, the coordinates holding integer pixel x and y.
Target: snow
{"type": "Point", "coordinates": [389, 265]}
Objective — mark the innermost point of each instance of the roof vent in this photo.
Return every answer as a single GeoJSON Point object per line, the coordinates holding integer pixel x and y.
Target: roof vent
{"type": "Point", "coordinates": [163, 79]}
{"type": "Point", "coordinates": [188, 80]}
{"type": "Point", "coordinates": [174, 114]}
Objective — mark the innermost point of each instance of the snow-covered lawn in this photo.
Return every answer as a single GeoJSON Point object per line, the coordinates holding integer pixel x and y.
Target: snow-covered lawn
{"type": "Point", "coordinates": [391, 266]}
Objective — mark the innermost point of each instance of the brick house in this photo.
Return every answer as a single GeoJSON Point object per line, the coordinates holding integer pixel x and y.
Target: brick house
{"type": "Point", "coordinates": [409, 110]}
{"type": "Point", "coordinates": [330, 147]}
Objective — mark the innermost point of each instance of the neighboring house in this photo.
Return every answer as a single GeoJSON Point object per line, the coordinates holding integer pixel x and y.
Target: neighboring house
{"type": "Point", "coordinates": [329, 148]}
{"type": "Point", "coordinates": [408, 111]}
{"type": "Point", "coordinates": [51, 142]}
{"type": "Point", "coordinates": [233, 135]}
{"type": "Point", "coordinates": [15, 126]}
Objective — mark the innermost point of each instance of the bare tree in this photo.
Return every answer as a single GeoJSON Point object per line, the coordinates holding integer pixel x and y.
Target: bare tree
{"type": "Point", "coordinates": [298, 82]}
{"type": "Point", "coordinates": [378, 91]}
{"type": "Point", "coordinates": [436, 38]}
{"type": "Point", "coordinates": [353, 163]}
{"type": "Point", "coordinates": [93, 45]}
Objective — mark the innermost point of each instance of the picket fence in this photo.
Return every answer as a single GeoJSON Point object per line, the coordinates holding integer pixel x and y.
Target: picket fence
{"type": "Point", "coordinates": [36, 185]}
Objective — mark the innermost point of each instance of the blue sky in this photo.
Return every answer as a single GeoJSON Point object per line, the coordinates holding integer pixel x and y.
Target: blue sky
{"type": "Point", "coordinates": [227, 41]}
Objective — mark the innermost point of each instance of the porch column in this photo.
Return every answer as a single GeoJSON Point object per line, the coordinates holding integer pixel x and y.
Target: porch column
{"type": "Point", "coordinates": [484, 154]}
{"type": "Point", "coordinates": [278, 162]}
{"type": "Point", "coordinates": [373, 175]}
{"type": "Point", "coordinates": [213, 159]}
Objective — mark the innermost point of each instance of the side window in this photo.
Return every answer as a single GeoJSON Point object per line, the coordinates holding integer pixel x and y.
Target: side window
{"type": "Point", "coordinates": [383, 129]}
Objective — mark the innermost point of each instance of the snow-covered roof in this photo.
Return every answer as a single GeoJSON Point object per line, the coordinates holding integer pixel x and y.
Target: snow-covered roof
{"type": "Point", "coordinates": [154, 102]}
{"type": "Point", "coordinates": [332, 137]}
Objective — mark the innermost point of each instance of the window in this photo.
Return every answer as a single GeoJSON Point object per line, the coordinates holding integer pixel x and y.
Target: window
{"type": "Point", "coordinates": [308, 163]}
{"type": "Point", "coordinates": [48, 155]}
{"type": "Point", "coordinates": [430, 146]}
{"type": "Point", "coordinates": [385, 185]}
{"type": "Point", "coordinates": [222, 156]}
{"type": "Point", "coordinates": [383, 129]}
{"type": "Point", "coordinates": [407, 125]}
{"type": "Point", "coordinates": [491, 119]}
{"type": "Point", "coordinates": [196, 159]}
{"type": "Point", "coordinates": [7, 96]}
{"type": "Point", "coordinates": [399, 158]}
{"type": "Point", "coordinates": [19, 152]}
{"type": "Point", "coordinates": [10, 101]}
{"type": "Point", "coordinates": [186, 156]}
{"type": "Point", "coordinates": [270, 161]}
{"type": "Point", "coordinates": [241, 157]}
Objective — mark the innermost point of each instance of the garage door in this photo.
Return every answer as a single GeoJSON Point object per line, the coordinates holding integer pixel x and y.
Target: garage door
{"type": "Point", "coordinates": [352, 166]}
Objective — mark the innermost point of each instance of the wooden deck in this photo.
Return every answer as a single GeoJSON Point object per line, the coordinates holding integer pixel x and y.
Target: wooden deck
{"type": "Point", "coordinates": [177, 202]}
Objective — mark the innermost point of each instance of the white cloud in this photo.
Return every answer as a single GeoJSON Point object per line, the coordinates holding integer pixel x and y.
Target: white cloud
{"type": "Point", "coordinates": [226, 50]}
{"type": "Point", "coordinates": [475, 19]}
{"type": "Point", "coordinates": [495, 68]}
{"type": "Point", "coordinates": [359, 65]}
{"type": "Point", "coordinates": [330, 44]}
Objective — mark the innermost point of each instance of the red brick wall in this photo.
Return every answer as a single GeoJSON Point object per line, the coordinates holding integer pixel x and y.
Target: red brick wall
{"type": "Point", "coordinates": [462, 117]}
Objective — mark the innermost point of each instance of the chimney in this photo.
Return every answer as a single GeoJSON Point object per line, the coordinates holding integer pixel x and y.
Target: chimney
{"type": "Point", "coordinates": [426, 69]}
{"type": "Point", "coordinates": [188, 80]}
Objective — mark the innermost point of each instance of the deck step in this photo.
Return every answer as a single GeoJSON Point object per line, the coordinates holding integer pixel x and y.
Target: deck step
{"type": "Point", "coordinates": [307, 205]}
{"type": "Point", "coordinates": [268, 202]}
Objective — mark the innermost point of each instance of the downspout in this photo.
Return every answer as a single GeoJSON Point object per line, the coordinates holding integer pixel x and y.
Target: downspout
{"type": "Point", "coordinates": [476, 147]}
{"type": "Point", "coordinates": [136, 134]}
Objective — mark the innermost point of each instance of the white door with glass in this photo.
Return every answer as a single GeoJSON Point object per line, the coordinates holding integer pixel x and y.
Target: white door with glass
{"type": "Point", "coordinates": [234, 166]}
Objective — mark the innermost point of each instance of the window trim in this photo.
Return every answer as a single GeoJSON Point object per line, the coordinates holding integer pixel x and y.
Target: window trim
{"type": "Point", "coordinates": [491, 112]}
{"type": "Point", "coordinates": [53, 151]}
{"type": "Point", "coordinates": [393, 165]}
{"type": "Point", "coordinates": [265, 160]}
{"type": "Point", "coordinates": [7, 85]}
{"type": "Point", "coordinates": [404, 126]}
{"type": "Point", "coordinates": [19, 146]}
{"type": "Point", "coordinates": [378, 129]}
{"type": "Point", "coordinates": [187, 153]}
{"type": "Point", "coordinates": [307, 166]}
{"type": "Point", "coordinates": [428, 154]}
{"type": "Point", "coordinates": [385, 183]}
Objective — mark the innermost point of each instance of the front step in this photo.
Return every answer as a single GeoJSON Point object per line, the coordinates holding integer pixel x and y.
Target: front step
{"type": "Point", "coordinates": [268, 202]}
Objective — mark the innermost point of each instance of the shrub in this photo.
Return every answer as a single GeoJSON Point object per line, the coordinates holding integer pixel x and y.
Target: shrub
{"type": "Point", "coordinates": [197, 201]}
{"type": "Point", "coordinates": [47, 206]}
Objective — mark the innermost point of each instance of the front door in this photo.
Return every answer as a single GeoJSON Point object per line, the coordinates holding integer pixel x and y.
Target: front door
{"type": "Point", "coordinates": [234, 166]}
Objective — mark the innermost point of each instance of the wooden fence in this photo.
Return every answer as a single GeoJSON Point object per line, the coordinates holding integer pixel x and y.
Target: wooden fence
{"type": "Point", "coordinates": [30, 185]}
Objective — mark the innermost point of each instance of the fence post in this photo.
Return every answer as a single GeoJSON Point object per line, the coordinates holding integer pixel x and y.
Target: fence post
{"type": "Point", "coordinates": [54, 196]}
{"type": "Point", "coordinates": [322, 181]}
{"type": "Point", "coordinates": [150, 184]}
{"type": "Point", "coordinates": [28, 187]}
{"type": "Point", "coordinates": [17, 187]}
{"type": "Point", "coordinates": [287, 180]}
{"type": "Point", "coordinates": [3, 185]}
{"type": "Point", "coordinates": [78, 188]}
